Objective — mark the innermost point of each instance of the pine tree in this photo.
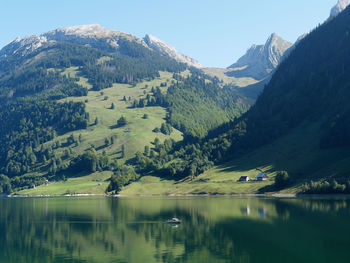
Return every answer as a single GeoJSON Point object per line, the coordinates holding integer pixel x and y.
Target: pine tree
{"type": "Point", "coordinates": [146, 152]}
{"type": "Point", "coordinates": [122, 121]}
{"type": "Point", "coordinates": [156, 141]}
{"type": "Point", "coordinates": [123, 151]}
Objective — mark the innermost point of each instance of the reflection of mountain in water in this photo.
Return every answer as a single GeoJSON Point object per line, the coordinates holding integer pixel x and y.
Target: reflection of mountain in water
{"type": "Point", "coordinates": [134, 230]}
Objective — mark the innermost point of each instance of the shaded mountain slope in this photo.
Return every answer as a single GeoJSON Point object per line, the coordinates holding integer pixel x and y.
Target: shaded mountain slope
{"type": "Point", "coordinates": [300, 123]}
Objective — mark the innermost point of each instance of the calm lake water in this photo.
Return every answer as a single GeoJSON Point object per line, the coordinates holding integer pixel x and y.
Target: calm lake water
{"type": "Point", "coordinates": [214, 229]}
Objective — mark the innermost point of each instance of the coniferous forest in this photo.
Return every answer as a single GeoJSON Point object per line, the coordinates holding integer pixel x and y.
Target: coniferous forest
{"type": "Point", "coordinates": [40, 102]}
{"type": "Point", "coordinates": [30, 89]}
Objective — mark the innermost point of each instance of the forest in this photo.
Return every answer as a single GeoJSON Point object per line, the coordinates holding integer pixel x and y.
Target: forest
{"type": "Point", "coordinates": [30, 88]}
{"type": "Point", "coordinates": [311, 86]}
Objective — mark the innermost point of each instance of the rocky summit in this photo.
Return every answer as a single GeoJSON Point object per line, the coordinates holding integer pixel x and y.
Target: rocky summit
{"type": "Point", "coordinates": [260, 60]}
{"type": "Point", "coordinates": [94, 36]}
{"type": "Point", "coordinates": [339, 7]}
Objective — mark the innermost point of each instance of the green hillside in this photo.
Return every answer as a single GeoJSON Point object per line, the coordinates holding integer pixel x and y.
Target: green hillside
{"type": "Point", "coordinates": [134, 136]}
{"type": "Point", "coordinates": [298, 153]}
{"type": "Point", "coordinates": [299, 124]}
{"type": "Point", "coordinates": [74, 112]}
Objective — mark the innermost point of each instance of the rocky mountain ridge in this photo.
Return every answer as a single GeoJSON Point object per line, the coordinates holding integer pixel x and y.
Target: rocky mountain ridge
{"type": "Point", "coordinates": [339, 7]}
{"type": "Point", "coordinates": [94, 36]}
{"type": "Point", "coordinates": [260, 60]}
{"type": "Point", "coordinates": [170, 51]}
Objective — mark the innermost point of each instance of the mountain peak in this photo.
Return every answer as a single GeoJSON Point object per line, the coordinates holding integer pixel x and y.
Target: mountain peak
{"type": "Point", "coordinates": [273, 36]}
{"type": "Point", "coordinates": [261, 60]}
{"type": "Point", "coordinates": [86, 31]}
{"type": "Point", "coordinates": [339, 7]}
{"type": "Point", "coordinates": [93, 35]}
{"type": "Point", "coordinates": [168, 50]}
{"type": "Point", "coordinates": [273, 39]}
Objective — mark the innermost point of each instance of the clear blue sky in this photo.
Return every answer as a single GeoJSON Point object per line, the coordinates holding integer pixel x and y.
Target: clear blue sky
{"type": "Point", "coordinates": [215, 32]}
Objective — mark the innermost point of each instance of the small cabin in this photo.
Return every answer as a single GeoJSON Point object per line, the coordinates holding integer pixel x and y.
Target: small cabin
{"type": "Point", "coordinates": [262, 177]}
{"type": "Point", "coordinates": [244, 179]}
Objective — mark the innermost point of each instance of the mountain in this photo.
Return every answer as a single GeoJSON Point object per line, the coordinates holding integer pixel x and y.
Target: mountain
{"type": "Point", "coordinates": [85, 99]}
{"type": "Point", "coordinates": [303, 113]}
{"type": "Point", "coordinates": [170, 51]}
{"type": "Point", "coordinates": [255, 65]}
{"type": "Point", "coordinates": [253, 71]}
{"type": "Point", "coordinates": [299, 124]}
{"type": "Point", "coordinates": [339, 7]}
{"type": "Point", "coordinates": [260, 60]}
{"type": "Point", "coordinates": [94, 36]}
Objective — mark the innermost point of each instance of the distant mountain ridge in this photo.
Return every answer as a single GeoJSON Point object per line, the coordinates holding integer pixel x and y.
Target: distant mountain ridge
{"type": "Point", "coordinates": [94, 36]}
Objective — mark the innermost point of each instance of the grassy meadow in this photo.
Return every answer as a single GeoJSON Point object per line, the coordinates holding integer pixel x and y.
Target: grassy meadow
{"type": "Point", "coordinates": [134, 136]}
{"type": "Point", "coordinates": [298, 153]}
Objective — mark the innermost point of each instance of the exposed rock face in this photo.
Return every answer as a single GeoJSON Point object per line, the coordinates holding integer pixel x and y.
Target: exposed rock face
{"type": "Point", "coordinates": [170, 51]}
{"type": "Point", "coordinates": [94, 36]}
{"type": "Point", "coordinates": [261, 60]}
{"type": "Point", "coordinates": [23, 46]}
{"type": "Point", "coordinates": [339, 7]}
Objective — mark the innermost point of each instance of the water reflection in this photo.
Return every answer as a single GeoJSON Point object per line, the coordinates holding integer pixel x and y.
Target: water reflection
{"type": "Point", "coordinates": [220, 229]}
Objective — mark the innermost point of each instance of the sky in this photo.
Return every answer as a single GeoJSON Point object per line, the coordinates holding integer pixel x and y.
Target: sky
{"type": "Point", "coordinates": [215, 32]}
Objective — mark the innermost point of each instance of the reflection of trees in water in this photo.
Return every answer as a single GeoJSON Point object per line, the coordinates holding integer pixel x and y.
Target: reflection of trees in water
{"type": "Point", "coordinates": [40, 235]}
{"type": "Point", "coordinates": [330, 205]}
{"type": "Point", "coordinates": [227, 230]}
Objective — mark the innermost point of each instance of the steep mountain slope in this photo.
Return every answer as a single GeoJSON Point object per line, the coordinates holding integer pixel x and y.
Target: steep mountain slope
{"type": "Point", "coordinates": [170, 51]}
{"type": "Point", "coordinates": [307, 98]}
{"type": "Point", "coordinates": [254, 69]}
{"type": "Point", "coordinates": [85, 99]}
{"type": "Point", "coordinates": [300, 124]}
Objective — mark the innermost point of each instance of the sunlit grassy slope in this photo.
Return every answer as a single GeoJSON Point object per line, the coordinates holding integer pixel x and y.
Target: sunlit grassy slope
{"type": "Point", "coordinates": [221, 74]}
{"type": "Point", "coordinates": [95, 183]}
{"type": "Point", "coordinates": [137, 133]}
{"type": "Point", "coordinates": [298, 153]}
{"type": "Point", "coordinates": [134, 136]}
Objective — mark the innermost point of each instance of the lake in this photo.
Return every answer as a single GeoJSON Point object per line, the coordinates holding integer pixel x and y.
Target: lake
{"type": "Point", "coordinates": [213, 229]}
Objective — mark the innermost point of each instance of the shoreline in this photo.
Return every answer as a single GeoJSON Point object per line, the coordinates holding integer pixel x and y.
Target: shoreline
{"type": "Point", "coordinates": [275, 195]}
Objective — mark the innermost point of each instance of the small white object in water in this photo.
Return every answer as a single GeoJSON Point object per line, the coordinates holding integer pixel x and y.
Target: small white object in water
{"type": "Point", "coordinates": [174, 221]}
